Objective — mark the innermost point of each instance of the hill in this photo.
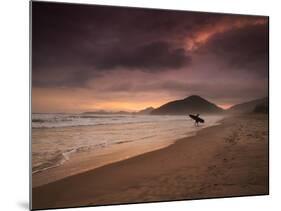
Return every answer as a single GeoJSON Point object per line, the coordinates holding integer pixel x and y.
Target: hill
{"type": "Point", "coordinates": [251, 106]}
{"type": "Point", "coordinates": [191, 104]}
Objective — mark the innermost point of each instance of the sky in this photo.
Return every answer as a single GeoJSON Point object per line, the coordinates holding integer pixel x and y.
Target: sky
{"type": "Point", "coordinates": [89, 58]}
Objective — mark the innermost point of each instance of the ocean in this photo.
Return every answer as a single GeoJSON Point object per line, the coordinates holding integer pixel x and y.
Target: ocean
{"type": "Point", "coordinates": [56, 138]}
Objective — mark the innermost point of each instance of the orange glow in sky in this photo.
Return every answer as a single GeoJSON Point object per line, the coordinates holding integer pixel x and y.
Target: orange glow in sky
{"type": "Point", "coordinates": [225, 106]}
{"type": "Point", "coordinates": [131, 65]}
{"type": "Point", "coordinates": [81, 100]}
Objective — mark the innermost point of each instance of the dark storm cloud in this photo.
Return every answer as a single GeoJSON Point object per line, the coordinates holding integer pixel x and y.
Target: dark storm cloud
{"type": "Point", "coordinates": [244, 49]}
{"type": "Point", "coordinates": [155, 56]}
{"type": "Point", "coordinates": [82, 41]}
{"type": "Point", "coordinates": [88, 57]}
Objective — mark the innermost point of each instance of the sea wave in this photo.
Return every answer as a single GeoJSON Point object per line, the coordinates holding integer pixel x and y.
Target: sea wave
{"type": "Point", "coordinates": [55, 121]}
{"type": "Point", "coordinates": [59, 158]}
{"type": "Point", "coordinates": [52, 148]}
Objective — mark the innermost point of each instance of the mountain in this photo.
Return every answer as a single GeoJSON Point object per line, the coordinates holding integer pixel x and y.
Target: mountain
{"type": "Point", "coordinates": [251, 106]}
{"type": "Point", "coordinates": [264, 109]}
{"type": "Point", "coordinates": [191, 104]}
{"type": "Point", "coordinates": [147, 110]}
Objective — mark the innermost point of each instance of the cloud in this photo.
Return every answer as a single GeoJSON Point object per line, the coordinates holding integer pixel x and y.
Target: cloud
{"type": "Point", "coordinates": [243, 49]}
{"type": "Point", "coordinates": [226, 23]}
{"type": "Point", "coordinates": [135, 55]}
{"type": "Point", "coordinates": [154, 56]}
{"type": "Point", "coordinates": [83, 41]}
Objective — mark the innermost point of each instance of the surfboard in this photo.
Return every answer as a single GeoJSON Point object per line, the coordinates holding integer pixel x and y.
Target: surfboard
{"type": "Point", "coordinates": [196, 118]}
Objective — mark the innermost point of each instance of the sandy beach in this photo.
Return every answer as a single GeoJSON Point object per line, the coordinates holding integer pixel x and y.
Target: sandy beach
{"type": "Point", "coordinates": [230, 159]}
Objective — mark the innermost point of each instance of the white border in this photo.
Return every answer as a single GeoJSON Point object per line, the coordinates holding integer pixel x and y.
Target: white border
{"type": "Point", "coordinates": [14, 95]}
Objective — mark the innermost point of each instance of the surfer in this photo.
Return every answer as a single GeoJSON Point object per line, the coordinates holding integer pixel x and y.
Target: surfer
{"type": "Point", "coordinates": [197, 119]}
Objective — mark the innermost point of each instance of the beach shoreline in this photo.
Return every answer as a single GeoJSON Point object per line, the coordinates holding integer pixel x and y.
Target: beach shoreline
{"type": "Point", "coordinates": [201, 166]}
{"type": "Point", "coordinates": [84, 158]}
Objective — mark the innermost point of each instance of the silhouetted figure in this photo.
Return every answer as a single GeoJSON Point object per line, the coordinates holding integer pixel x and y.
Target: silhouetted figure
{"type": "Point", "coordinates": [197, 119]}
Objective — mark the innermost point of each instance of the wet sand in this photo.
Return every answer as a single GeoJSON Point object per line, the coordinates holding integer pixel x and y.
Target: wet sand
{"type": "Point", "coordinates": [226, 160]}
